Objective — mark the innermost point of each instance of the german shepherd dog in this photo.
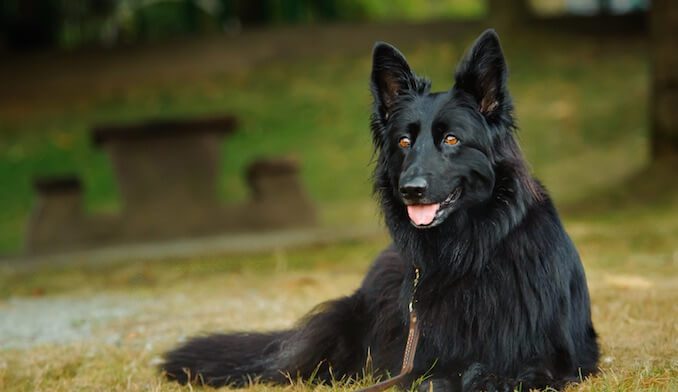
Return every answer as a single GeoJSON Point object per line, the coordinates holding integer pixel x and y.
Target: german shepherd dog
{"type": "Point", "coordinates": [502, 300]}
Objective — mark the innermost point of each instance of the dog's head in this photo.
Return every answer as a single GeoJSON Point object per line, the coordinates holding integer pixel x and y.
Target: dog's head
{"type": "Point", "coordinates": [437, 151]}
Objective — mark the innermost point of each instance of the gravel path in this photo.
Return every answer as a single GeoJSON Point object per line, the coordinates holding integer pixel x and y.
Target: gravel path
{"type": "Point", "coordinates": [113, 317]}
{"type": "Point", "coordinates": [25, 322]}
{"type": "Point", "coordinates": [205, 246]}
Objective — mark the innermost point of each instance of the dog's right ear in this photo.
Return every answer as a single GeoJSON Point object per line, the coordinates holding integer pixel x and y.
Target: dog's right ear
{"type": "Point", "coordinates": [482, 73]}
{"type": "Point", "coordinates": [391, 77]}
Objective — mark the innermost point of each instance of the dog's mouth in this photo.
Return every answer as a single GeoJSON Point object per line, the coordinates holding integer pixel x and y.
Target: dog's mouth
{"type": "Point", "coordinates": [424, 216]}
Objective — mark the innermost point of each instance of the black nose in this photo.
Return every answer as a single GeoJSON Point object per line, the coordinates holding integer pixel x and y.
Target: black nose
{"type": "Point", "coordinates": [414, 189]}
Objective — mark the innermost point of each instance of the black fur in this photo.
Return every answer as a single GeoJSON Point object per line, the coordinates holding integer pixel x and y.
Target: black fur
{"type": "Point", "coordinates": [502, 301]}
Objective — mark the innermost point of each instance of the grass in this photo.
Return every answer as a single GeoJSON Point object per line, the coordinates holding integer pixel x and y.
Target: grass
{"type": "Point", "coordinates": [631, 268]}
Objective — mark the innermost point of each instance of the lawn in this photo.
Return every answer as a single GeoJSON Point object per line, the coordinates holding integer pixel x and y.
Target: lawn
{"type": "Point", "coordinates": [631, 268]}
{"type": "Point", "coordinates": [581, 106]}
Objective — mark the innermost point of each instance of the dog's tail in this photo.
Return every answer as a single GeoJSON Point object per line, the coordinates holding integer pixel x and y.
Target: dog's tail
{"type": "Point", "coordinates": [326, 344]}
{"type": "Point", "coordinates": [218, 360]}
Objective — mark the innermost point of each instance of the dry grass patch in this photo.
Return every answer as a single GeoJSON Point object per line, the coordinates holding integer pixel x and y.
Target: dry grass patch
{"type": "Point", "coordinates": [631, 262]}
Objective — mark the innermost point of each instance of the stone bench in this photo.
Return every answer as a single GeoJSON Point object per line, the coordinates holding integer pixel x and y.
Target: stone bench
{"type": "Point", "coordinates": [277, 197]}
{"type": "Point", "coordinates": [55, 222]}
{"type": "Point", "coordinates": [167, 174]}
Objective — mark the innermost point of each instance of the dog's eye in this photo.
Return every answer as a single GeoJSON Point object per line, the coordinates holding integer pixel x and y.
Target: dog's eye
{"type": "Point", "coordinates": [404, 142]}
{"type": "Point", "coordinates": [451, 140]}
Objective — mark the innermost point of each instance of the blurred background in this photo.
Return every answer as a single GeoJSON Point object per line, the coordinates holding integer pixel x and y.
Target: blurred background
{"type": "Point", "coordinates": [218, 152]}
{"type": "Point", "coordinates": [294, 76]}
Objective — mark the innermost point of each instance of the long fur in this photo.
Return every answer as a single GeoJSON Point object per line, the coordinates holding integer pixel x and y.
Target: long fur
{"type": "Point", "coordinates": [502, 300]}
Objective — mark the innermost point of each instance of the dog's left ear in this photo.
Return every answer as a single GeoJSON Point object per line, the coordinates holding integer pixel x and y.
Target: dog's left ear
{"type": "Point", "coordinates": [391, 77]}
{"type": "Point", "coordinates": [483, 73]}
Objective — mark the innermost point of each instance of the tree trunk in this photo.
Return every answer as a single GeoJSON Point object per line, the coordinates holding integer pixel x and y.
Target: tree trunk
{"type": "Point", "coordinates": [32, 24]}
{"type": "Point", "coordinates": [664, 88]}
{"type": "Point", "coordinates": [254, 12]}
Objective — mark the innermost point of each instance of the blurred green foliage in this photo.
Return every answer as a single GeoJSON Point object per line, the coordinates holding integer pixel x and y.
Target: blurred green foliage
{"type": "Point", "coordinates": [581, 105]}
{"type": "Point", "coordinates": [74, 23]}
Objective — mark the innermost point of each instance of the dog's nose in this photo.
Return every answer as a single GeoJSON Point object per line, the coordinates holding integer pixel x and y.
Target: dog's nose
{"type": "Point", "coordinates": [414, 189]}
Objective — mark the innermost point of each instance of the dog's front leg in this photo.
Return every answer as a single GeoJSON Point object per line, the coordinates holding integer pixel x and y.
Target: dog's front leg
{"type": "Point", "coordinates": [477, 378]}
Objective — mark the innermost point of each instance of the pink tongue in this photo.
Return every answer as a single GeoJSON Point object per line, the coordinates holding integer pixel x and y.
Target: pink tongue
{"type": "Point", "coordinates": [422, 214]}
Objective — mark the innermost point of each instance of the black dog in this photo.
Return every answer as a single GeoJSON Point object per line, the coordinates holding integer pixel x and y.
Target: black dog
{"type": "Point", "coordinates": [502, 299]}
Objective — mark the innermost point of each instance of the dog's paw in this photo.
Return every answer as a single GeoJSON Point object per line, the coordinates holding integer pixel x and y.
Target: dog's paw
{"type": "Point", "coordinates": [494, 384]}
{"type": "Point", "coordinates": [436, 385]}
{"type": "Point", "coordinates": [476, 379]}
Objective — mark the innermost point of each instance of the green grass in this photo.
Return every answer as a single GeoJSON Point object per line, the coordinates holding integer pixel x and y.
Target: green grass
{"type": "Point", "coordinates": [580, 104]}
{"type": "Point", "coordinates": [423, 10]}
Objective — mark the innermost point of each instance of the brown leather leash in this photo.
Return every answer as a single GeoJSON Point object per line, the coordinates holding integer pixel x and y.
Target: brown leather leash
{"type": "Point", "coordinates": [410, 347]}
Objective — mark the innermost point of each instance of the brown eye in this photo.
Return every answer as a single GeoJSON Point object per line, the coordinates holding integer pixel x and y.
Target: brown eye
{"type": "Point", "coordinates": [404, 142]}
{"type": "Point", "coordinates": [451, 140]}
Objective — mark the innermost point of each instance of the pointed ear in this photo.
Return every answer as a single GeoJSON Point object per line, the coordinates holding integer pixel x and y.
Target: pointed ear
{"type": "Point", "coordinates": [483, 73]}
{"type": "Point", "coordinates": [391, 77]}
